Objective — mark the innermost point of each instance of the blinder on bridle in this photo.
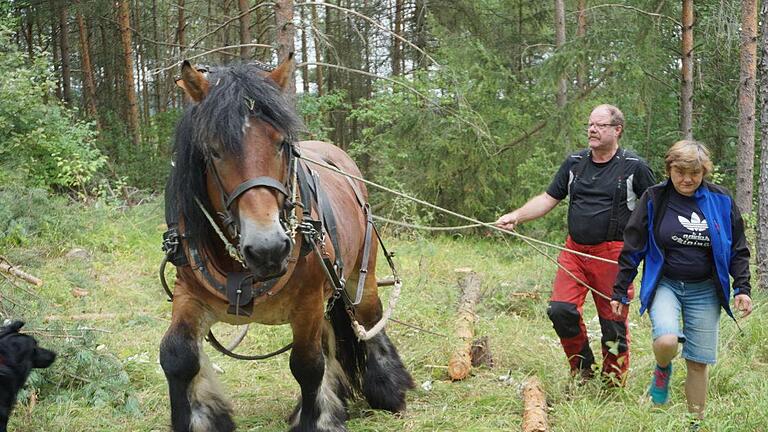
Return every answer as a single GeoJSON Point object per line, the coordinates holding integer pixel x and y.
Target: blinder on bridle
{"type": "Point", "coordinates": [288, 221]}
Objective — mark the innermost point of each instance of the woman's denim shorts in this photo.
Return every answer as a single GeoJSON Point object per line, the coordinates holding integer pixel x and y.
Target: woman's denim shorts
{"type": "Point", "coordinates": [699, 306]}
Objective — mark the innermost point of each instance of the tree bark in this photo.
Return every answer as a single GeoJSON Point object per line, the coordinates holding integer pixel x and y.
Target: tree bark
{"type": "Point", "coordinates": [285, 34]}
{"type": "Point", "coordinates": [245, 29]}
{"type": "Point", "coordinates": [420, 33]}
{"type": "Point", "coordinates": [55, 31]}
{"type": "Point", "coordinates": [304, 51]}
{"type": "Point", "coordinates": [460, 362]}
{"type": "Point", "coordinates": [745, 154]}
{"type": "Point", "coordinates": [85, 54]}
{"type": "Point", "coordinates": [686, 91]}
{"type": "Point", "coordinates": [160, 97]}
{"type": "Point", "coordinates": [130, 91]}
{"type": "Point", "coordinates": [559, 42]}
{"type": "Point", "coordinates": [181, 26]}
{"type": "Point", "coordinates": [761, 230]}
{"type": "Point", "coordinates": [581, 33]}
{"type": "Point", "coordinates": [66, 92]}
{"type": "Point", "coordinates": [535, 406]}
{"type": "Point", "coordinates": [318, 52]}
{"type": "Point", "coordinates": [396, 47]}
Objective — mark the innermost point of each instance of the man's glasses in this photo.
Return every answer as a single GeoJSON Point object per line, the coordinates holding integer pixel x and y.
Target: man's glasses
{"type": "Point", "coordinates": [600, 126]}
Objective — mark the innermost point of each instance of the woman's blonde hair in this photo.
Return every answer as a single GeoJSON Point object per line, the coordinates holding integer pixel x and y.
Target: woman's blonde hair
{"type": "Point", "coordinates": [688, 155]}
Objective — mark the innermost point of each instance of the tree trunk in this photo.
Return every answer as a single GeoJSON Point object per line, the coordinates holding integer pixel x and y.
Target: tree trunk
{"type": "Point", "coordinates": [27, 26]}
{"type": "Point", "coordinates": [460, 362]}
{"type": "Point", "coordinates": [160, 97]}
{"type": "Point", "coordinates": [285, 34]}
{"type": "Point", "coordinates": [304, 51]}
{"type": "Point", "coordinates": [581, 33]}
{"type": "Point", "coordinates": [396, 47]}
{"type": "Point", "coordinates": [180, 27]}
{"type": "Point", "coordinates": [245, 29]}
{"type": "Point", "coordinates": [420, 33]}
{"type": "Point", "coordinates": [89, 83]}
{"type": "Point", "coordinates": [141, 71]}
{"type": "Point", "coordinates": [761, 230]}
{"type": "Point", "coordinates": [686, 91]}
{"type": "Point", "coordinates": [130, 92]}
{"type": "Point", "coordinates": [66, 91]}
{"type": "Point", "coordinates": [745, 157]}
{"type": "Point", "coordinates": [55, 31]}
{"type": "Point", "coordinates": [559, 42]}
{"type": "Point", "coordinates": [318, 52]}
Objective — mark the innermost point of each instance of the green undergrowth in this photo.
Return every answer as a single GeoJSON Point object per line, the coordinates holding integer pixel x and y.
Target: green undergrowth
{"type": "Point", "coordinates": [108, 378]}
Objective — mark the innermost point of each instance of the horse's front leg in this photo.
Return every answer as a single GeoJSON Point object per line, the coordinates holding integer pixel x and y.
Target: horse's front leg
{"type": "Point", "coordinates": [321, 380]}
{"type": "Point", "coordinates": [197, 403]}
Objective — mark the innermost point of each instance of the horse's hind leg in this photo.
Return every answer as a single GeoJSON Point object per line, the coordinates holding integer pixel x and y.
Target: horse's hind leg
{"type": "Point", "coordinates": [323, 384]}
{"type": "Point", "coordinates": [385, 379]}
{"type": "Point", "coordinates": [197, 403]}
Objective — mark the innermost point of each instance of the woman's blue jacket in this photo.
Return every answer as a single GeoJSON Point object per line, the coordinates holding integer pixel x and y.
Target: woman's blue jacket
{"type": "Point", "coordinates": [729, 244]}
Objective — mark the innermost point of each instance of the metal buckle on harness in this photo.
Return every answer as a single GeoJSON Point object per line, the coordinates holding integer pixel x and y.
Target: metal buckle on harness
{"type": "Point", "coordinates": [171, 243]}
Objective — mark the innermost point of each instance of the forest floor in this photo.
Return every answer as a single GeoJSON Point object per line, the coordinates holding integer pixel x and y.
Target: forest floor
{"type": "Point", "coordinates": [105, 313]}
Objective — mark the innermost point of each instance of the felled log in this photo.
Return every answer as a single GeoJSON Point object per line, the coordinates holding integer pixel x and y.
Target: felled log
{"type": "Point", "coordinates": [535, 406]}
{"type": "Point", "coordinates": [460, 362]}
{"type": "Point", "coordinates": [6, 267]}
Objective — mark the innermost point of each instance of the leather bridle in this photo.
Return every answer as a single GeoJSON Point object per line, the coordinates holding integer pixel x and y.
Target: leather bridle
{"type": "Point", "coordinates": [231, 223]}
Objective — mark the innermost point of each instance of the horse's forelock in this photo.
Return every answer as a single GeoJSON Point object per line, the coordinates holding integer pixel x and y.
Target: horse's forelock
{"type": "Point", "coordinates": [235, 94]}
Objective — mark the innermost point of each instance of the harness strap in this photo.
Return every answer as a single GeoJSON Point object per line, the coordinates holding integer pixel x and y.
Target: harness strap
{"type": "Point", "coordinates": [366, 254]}
{"type": "Point", "coordinates": [256, 182]}
{"type": "Point", "coordinates": [367, 243]}
{"type": "Point", "coordinates": [613, 224]}
{"type": "Point", "coordinates": [329, 223]}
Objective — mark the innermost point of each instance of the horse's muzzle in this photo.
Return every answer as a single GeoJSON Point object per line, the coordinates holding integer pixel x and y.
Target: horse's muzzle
{"type": "Point", "coordinates": [266, 251]}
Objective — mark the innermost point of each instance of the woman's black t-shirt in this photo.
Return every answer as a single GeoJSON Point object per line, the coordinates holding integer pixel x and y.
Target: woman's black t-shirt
{"type": "Point", "coordinates": [683, 234]}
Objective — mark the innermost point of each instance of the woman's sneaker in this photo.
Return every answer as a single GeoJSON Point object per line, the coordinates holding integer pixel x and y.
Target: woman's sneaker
{"type": "Point", "coordinates": [659, 389]}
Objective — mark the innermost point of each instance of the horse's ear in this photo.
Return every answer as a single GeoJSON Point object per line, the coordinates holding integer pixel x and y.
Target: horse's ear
{"type": "Point", "coordinates": [192, 82]}
{"type": "Point", "coordinates": [283, 73]}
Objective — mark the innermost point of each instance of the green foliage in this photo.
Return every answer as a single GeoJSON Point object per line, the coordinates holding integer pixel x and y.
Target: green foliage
{"type": "Point", "coordinates": [41, 142]}
{"type": "Point", "coordinates": [315, 110]}
{"type": "Point", "coordinates": [24, 213]}
{"type": "Point", "coordinates": [83, 371]}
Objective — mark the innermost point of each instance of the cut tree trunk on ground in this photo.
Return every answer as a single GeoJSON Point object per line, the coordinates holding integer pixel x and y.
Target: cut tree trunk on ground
{"type": "Point", "coordinates": [535, 403]}
{"type": "Point", "coordinates": [460, 362]}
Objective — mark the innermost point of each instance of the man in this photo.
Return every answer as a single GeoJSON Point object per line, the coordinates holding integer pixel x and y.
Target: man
{"type": "Point", "coordinates": [604, 183]}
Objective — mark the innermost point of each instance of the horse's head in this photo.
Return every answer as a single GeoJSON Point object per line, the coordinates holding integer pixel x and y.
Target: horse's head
{"type": "Point", "coordinates": [243, 129]}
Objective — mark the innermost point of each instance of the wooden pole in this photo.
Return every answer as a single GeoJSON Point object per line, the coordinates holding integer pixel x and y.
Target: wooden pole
{"type": "Point", "coordinates": [460, 362]}
{"type": "Point", "coordinates": [6, 267]}
{"type": "Point", "coordinates": [535, 403]}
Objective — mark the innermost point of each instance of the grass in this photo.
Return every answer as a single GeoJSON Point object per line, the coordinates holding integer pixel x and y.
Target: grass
{"type": "Point", "coordinates": [108, 377]}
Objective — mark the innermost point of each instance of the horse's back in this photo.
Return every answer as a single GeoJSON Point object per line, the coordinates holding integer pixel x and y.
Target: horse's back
{"type": "Point", "coordinates": [333, 155]}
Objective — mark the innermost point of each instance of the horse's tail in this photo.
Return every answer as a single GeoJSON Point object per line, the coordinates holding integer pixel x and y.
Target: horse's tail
{"type": "Point", "coordinates": [350, 351]}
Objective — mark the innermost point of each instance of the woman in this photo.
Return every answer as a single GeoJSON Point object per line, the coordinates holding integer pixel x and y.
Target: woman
{"type": "Point", "coordinates": [691, 236]}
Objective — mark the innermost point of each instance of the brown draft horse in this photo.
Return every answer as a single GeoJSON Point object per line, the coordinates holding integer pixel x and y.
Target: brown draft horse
{"type": "Point", "coordinates": [233, 155]}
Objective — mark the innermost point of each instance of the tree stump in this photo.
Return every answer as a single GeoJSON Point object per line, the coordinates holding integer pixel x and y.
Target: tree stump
{"type": "Point", "coordinates": [460, 362]}
{"type": "Point", "coordinates": [535, 403]}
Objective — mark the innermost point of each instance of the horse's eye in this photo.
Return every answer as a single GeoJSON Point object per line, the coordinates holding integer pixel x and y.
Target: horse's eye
{"type": "Point", "coordinates": [214, 153]}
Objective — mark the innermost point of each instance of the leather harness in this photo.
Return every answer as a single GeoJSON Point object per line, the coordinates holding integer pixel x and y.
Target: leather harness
{"type": "Point", "coordinates": [240, 290]}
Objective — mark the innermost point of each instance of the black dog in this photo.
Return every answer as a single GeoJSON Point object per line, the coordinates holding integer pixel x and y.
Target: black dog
{"type": "Point", "coordinates": [19, 353]}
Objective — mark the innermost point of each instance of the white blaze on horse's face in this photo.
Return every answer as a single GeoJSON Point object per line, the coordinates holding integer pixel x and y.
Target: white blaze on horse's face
{"type": "Point", "coordinates": [263, 241]}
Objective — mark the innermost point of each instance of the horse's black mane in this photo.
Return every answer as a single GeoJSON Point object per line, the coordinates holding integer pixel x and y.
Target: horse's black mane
{"type": "Point", "coordinates": [235, 93]}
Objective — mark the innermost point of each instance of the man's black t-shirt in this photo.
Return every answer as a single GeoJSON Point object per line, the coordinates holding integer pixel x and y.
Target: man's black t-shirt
{"type": "Point", "coordinates": [683, 233]}
{"type": "Point", "coordinates": [592, 193]}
